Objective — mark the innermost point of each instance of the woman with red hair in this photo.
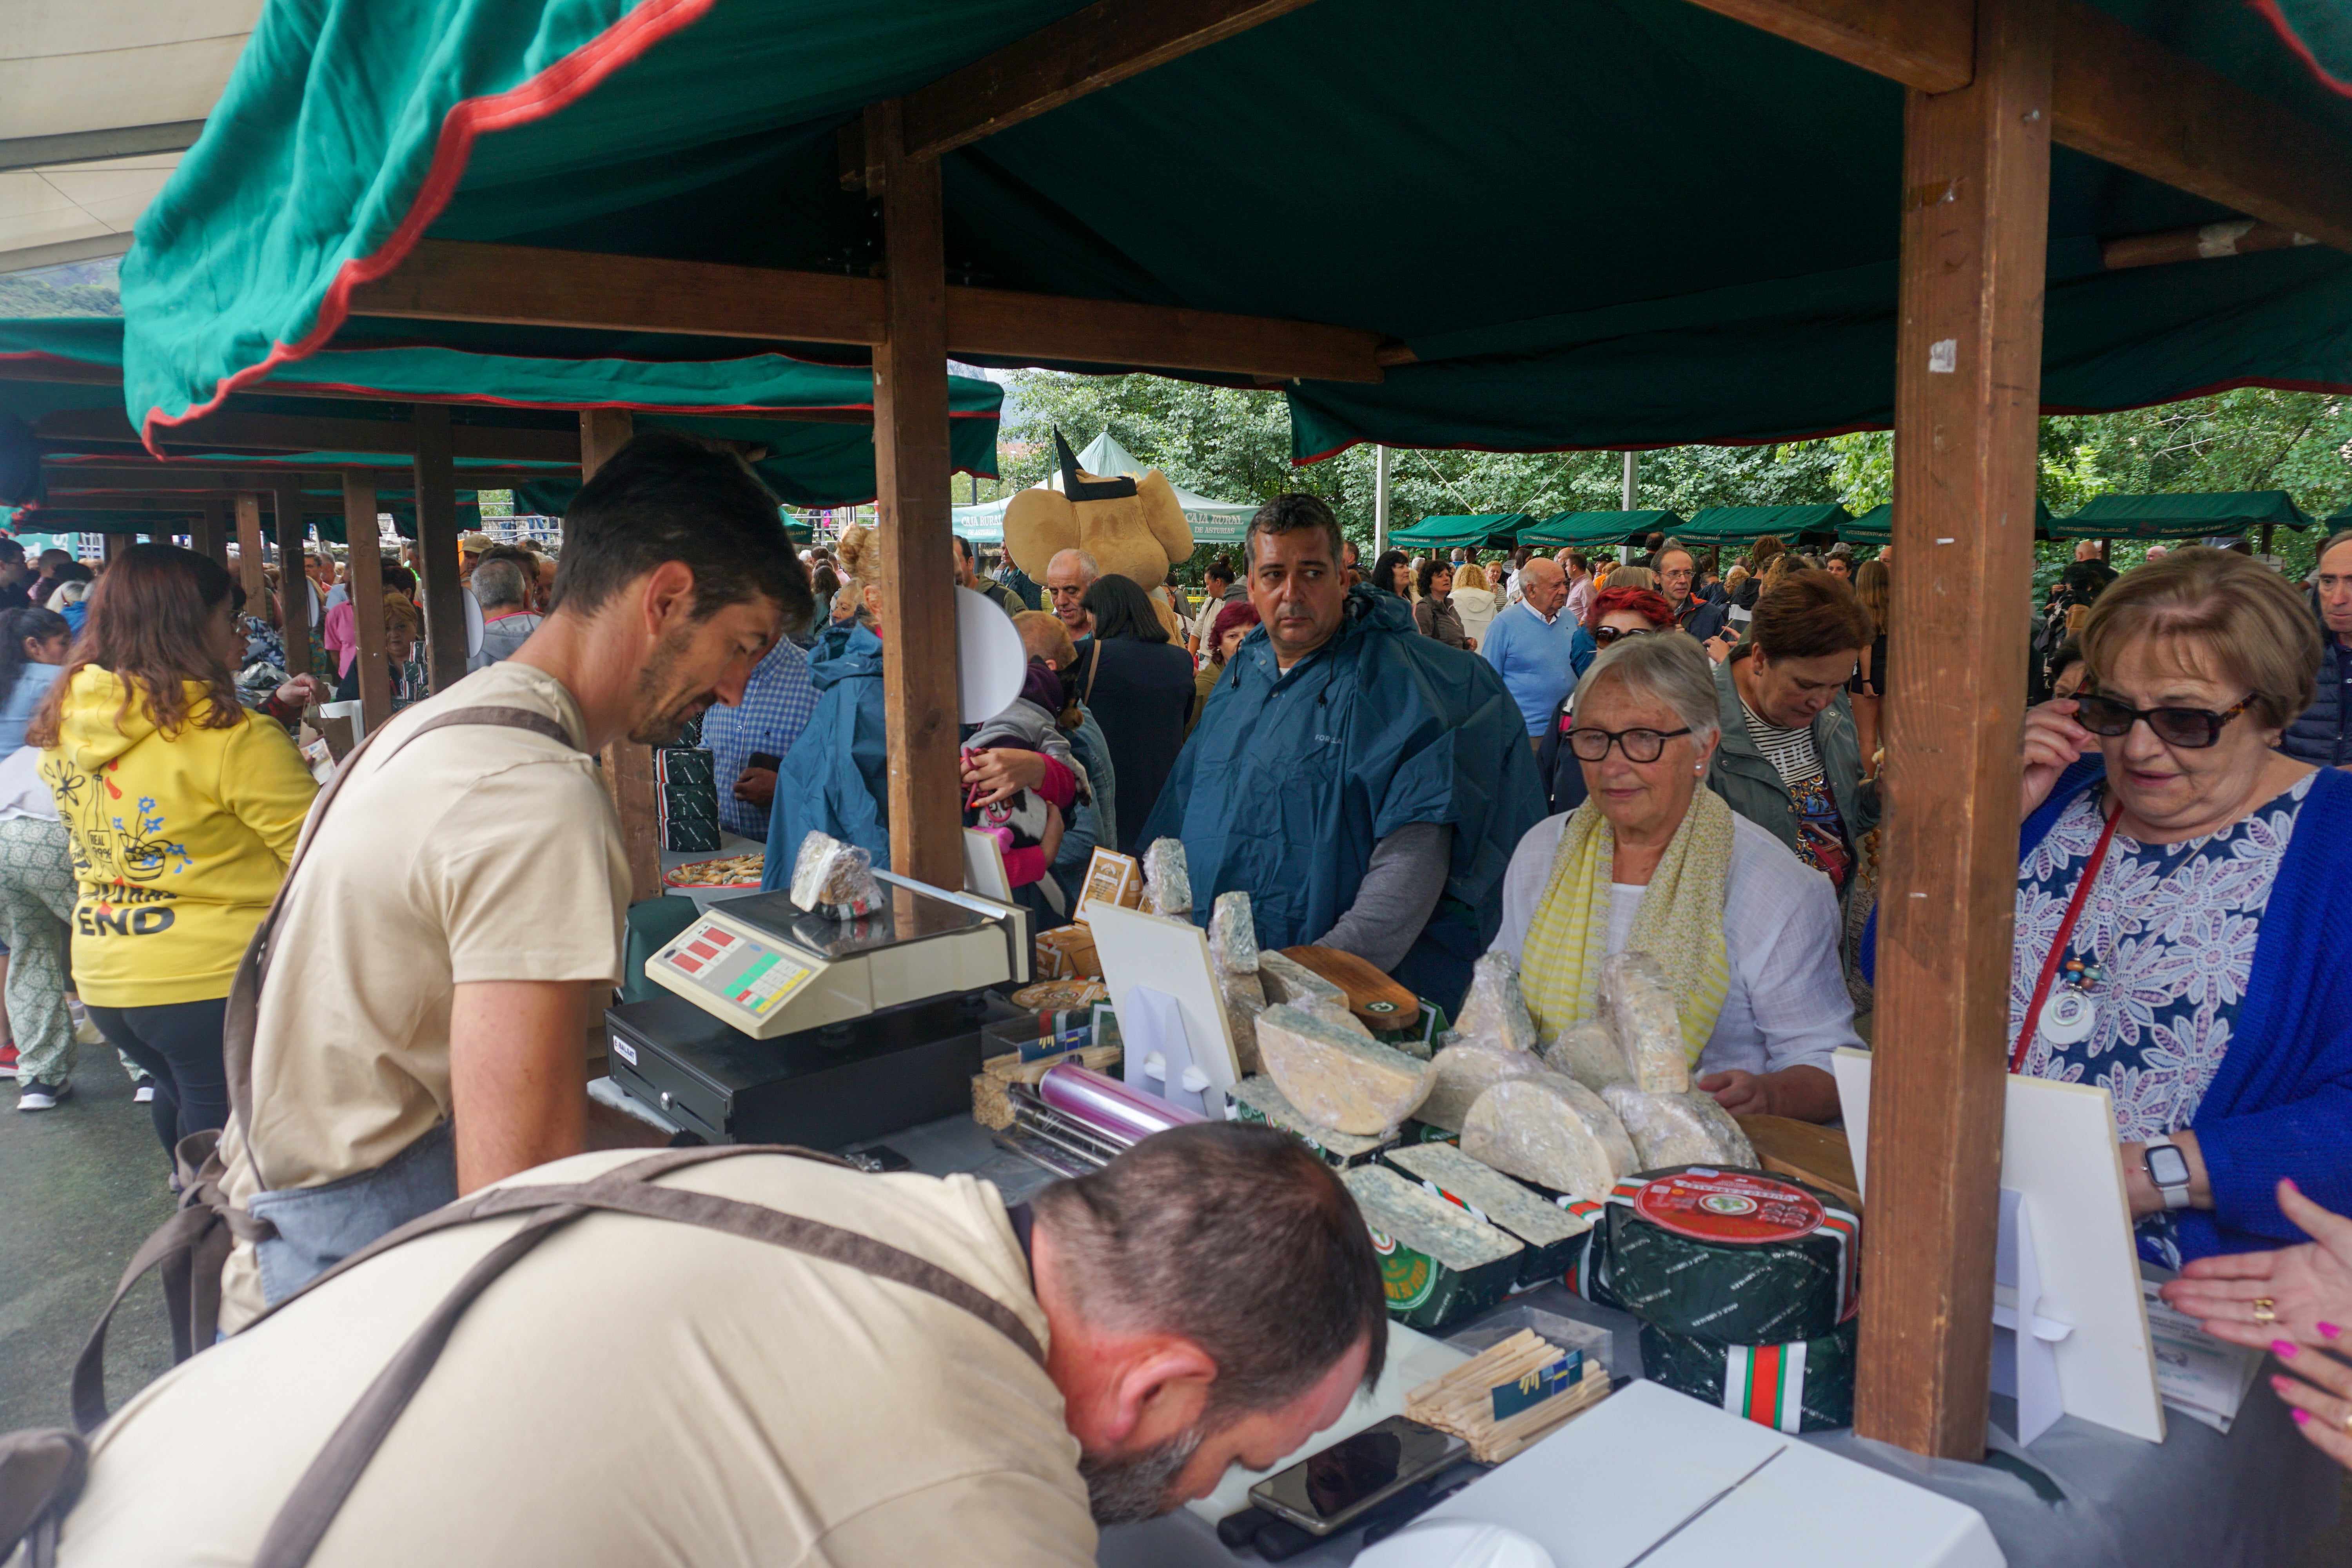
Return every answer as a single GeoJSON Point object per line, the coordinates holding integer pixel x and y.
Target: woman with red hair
{"type": "Point", "coordinates": [1616, 613]}
{"type": "Point", "coordinates": [1232, 623]}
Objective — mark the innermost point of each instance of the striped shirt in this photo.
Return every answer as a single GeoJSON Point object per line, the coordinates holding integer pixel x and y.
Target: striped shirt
{"type": "Point", "coordinates": [1821, 833]}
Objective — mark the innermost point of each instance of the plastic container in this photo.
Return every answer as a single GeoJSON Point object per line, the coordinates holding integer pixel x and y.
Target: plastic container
{"type": "Point", "coordinates": [1567, 1333]}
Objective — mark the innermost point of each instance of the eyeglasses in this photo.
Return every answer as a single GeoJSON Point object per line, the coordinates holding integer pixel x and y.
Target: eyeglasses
{"type": "Point", "coordinates": [1603, 635]}
{"type": "Point", "coordinates": [2190, 729]}
{"type": "Point", "coordinates": [1639, 745]}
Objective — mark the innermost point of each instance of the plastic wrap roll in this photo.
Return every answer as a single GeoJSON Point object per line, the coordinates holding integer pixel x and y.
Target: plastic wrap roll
{"type": "Point", "coordinates": [1106, 1103]}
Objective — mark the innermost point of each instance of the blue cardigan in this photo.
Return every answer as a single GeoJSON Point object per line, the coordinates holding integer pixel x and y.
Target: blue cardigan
{"type": "Point", "coordinates": [2281, 1104]}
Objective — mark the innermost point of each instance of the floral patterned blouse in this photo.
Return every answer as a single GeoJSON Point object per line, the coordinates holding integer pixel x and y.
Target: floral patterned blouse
{"type": "Point", "coordinates": [2170, 928]}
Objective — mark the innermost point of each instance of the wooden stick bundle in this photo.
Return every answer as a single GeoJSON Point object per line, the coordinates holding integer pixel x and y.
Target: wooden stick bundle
{"type": "Point", "coordinates": [1463, 1401]}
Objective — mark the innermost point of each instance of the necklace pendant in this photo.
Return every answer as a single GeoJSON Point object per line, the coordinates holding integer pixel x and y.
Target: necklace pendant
{"type": "Point", "coordinates": [2068, 1018]}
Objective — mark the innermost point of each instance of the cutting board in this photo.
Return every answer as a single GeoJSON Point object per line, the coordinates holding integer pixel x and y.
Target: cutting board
{"type": "Point", "coordinates": [1379, 1001]}
{"type": "Point", "coordinates": [1806, 1150]}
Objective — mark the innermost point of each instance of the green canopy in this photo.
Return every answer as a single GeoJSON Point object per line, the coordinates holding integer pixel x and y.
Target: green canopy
{"type": "Point", "coordinates": [2193, 516]}
{"type": "Point", "coordinates": [1745, 524]}
{"type": "Point", "coordinates": [1480, 527]}
{"type": "Point", "coordinates": [351, 129]}
{"type": "Point", "coordinates": [1601, 528]}
{"type": "Point", "coordinates": [806, 462]}
{"type": "Point", "coordinates": [1877, 526]}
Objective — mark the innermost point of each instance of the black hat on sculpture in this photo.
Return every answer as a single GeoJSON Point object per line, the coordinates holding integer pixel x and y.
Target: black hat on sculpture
{"type": "Point", "coordinates": [1079, 489]}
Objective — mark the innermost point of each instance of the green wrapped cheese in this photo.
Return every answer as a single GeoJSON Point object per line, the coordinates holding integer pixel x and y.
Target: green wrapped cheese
{"type": "Point", "coordinates": [1737, 1256]}
{"type": "Point", "coordinates": [1548, 1232]}
{"type": "Point", "coordinates": [1437, 1262]}
{"type": "Point", "coordinates": [1799, 1386]}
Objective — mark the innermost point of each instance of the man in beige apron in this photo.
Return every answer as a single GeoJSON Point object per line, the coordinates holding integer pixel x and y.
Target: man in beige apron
{"type": "Point", "coordinates": [413, 1018]}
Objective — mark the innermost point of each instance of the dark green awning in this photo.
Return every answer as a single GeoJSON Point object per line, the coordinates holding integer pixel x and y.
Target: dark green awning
{"type": "Point", "coordinates": [1746, 524]}
{"type": "Point", "coordinates": [1601, 528]}
{"type": "Point", "coordinates": [1498, 528]}
{"type": "Point", "coordinates": [1876, 525]}
{"type": "Point", "coordinates": [2191, 516]}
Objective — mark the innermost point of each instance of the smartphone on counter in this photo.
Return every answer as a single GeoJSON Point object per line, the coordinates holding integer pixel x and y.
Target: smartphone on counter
{"type": "Point", "coordinates": [763, 760]}
{"type": "Point", "coordinates": [1325, 1490]}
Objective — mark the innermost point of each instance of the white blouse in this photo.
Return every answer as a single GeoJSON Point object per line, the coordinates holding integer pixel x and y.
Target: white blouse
{"type": "Point", "coordinates": [1788, 1004]}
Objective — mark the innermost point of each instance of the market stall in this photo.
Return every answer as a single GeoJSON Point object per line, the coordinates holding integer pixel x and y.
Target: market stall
{"type": "Point", "coordinates": [1477, 531]}
{"type": "Point", "coordinates": [1794, 526]}
{"type": "Point", "coordinates": [2228, 515]}
{"type": "Point", "coordinates": [1877, 526]}
{"type": "Point", "coordinates": [1932, 263]}
{"type": "Point", "coordinates": [1601, 528]}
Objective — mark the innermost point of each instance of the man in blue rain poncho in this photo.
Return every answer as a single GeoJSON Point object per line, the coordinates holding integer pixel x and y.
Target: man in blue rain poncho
{"type": "Point", "coordinates": [1363, 783]}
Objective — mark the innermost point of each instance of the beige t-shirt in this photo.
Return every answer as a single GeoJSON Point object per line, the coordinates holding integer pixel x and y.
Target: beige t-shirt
{"type": "Point", "coordinates": [478, 853]}
{"type": "Point", "coordinates": [633, 1392]}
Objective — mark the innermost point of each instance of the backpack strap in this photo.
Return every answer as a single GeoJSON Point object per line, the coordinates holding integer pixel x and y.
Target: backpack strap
{"type": "Point", "coordinates": [41, 1473]}
{"type": "Point", "coordinates": [311, 1506]}
{"type": "Point", "coordinates": [194, 1245]}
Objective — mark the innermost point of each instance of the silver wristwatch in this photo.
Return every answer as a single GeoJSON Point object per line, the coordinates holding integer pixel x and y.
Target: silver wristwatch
{"type": "Point", "coordinates": [2168, 1167]}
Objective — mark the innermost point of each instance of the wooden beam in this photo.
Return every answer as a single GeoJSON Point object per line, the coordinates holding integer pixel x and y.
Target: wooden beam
{"type": "Point", "coordinates": [182, 478]}
{"type": "Point", "coordinates": [2206, 242]}
{"type": "Point", "coordinates": [435, 483]}
{"type": "Point", "coordinates": [2115, 93]}
{"type": "Point", "coordinates": [1967, 384]}
{"type": "Point", "coordinates": [455, 280]}
{"type": "Point", "coordinates": [1084, 52]}
{"type": "Point", "coordinates": [912, 469]}
{"type": "Point", "coordinates": [363, 564]}
{"type": "Point", "coordinates": [603, 432]}
{"type": "Point", "coordinates": [1926, 45]}
{"type": "Point", "coordinates": [249, 564]}
{"type": "Point", "coordinates": [293, 598]}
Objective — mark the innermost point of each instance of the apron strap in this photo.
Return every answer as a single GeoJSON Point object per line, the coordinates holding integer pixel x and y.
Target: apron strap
{"type": "Point", "coordinates": [310, 1508]}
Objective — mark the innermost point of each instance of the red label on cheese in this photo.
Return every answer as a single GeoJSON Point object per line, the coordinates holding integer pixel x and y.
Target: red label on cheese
{"type": "Point", "coordinates": [1729, 1205]}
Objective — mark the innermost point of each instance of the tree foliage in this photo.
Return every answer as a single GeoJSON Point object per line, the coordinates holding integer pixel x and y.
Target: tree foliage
{"type": "Point", "coordinates": [1234, 445]}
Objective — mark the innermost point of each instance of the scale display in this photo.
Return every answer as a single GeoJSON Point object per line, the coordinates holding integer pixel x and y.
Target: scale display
{"type": "Point", "coordinates": [742, 970]}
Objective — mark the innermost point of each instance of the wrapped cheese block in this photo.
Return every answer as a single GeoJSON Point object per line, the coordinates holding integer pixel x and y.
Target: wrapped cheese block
{"type": "Point", "coordinates": [1233, 956]}
{"type": "Point", "coordinates": [1494, 1013]}
{"type": "Point", "coordinates": [1463, 1072]}
{"type": "Point", "coordinates": [834, 877]}
{"type": "Point", "coordinates": [1587, 1052]}
{"type": "Point", "coordinates": [1678, 1129]}
{"type": "Point", "coordinates": [1339, 1077]}
{"type": "Point", "coordinates": [1257, 1099]}
{"type": "Point", "coordinates": [1293, 984]}
{"type": "Point", "coordinates": [1549, 1129]}
{"type": "Point", "coordinates": [1437, 1263]}
{"type": "Point", "coordinates": [1639, 1009]}
{"type": "Point", "coordinates": [1548, 1232]}
{"type": "Point", "coordinates": [1167, 882]}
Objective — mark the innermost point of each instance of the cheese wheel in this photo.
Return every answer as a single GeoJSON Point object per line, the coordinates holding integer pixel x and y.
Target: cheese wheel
{"type": "Point", "coordinates": [1339, 1077]}
{"type": "Point", "coordinates": [1678, 1129]}
{"type": "Point", "coordinates": [1639, 1008]}
{"type": "Point", "coordinates": [1463, 1072]}
{"type": "Point", "coordinates": [1588, 1052]}
{"type": "Point", "coordinates": [1494, 1013]}
{"type": "Point", "coordinates": [1737, 1256]}
{"type": "Point", "coordinates": [1802, 1385]}
{"type": "Point", "coordinates": [1549, 1129]}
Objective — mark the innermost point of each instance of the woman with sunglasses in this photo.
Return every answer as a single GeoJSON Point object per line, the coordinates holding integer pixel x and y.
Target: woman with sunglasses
{"type": "Point", "coordinates": [1653, 860]}
{"type": "Point", "coordinates": [2180, 939]}
{"type": "Point", "coordinates": [1615, 615]}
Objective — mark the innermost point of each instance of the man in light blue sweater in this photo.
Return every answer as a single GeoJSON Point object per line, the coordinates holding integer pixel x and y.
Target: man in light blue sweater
{"type": "Point", "coordinates": [1534, 646]}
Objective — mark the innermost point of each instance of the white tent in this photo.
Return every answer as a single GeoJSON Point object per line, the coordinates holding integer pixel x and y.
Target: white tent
{"type": "Point", "coordinates": [97, 98]}
{"type": "Point", "coordinates": [1213, 521]}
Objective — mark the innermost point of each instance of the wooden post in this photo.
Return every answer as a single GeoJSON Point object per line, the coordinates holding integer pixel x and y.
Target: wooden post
{"type": "Point", "coordinates": [628, 767]}
{"type": "Point", "coordinates": [365, 566]}
{"type": "Point", "coordinates": [1975, 181]}
{"type": "Point", "coordinates": [249, 564]}
{"type": "Point", "coordinates": [112, 544]}
{"type": "Point", "coordinates": [211, 535]}
{"type": "Point", "coordinates": [437, 548]}
{"type": "Point", "coordinates": [911, 467]}
{"type": "Point", "coordinates": [293, 592]}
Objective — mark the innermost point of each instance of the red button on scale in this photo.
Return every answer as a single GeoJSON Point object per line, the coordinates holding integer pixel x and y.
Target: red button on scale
{"type": "Point", "coordinates": [715, 935]}
{"type": "Point", "coordinates": [688, 964]}
{"type": "Point", "coordinates": [703, 950]}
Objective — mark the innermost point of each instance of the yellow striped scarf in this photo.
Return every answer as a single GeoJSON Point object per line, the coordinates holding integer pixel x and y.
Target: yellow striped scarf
{"type": "Point", "coordinates": [1680, 923]}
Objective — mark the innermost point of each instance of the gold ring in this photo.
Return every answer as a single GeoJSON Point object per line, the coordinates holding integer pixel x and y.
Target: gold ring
{"type": "Point", "coordinates": [2347, 1423]}
{"type": "Point", "coordinates": [2266, 1310]}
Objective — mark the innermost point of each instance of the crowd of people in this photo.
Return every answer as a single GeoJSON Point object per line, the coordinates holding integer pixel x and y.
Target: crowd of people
{"type": "Point", "coordinates": [1557, 757]}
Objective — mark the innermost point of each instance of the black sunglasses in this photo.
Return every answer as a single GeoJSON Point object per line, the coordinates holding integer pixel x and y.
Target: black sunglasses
{"type": "Point", "coordinates": [1603, 635]}
{"type": "Point", "coordinates": [2190, 729]}
{"type": "Point", "coordinates": [1639, 745]}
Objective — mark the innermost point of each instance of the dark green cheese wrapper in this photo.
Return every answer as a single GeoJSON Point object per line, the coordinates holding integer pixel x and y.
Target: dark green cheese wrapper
{"type": "Point", "coordinates": [681, 834]}
{"type": "Point", "coordinates": [1771, 1291]}
{"type": "Point", "coordinates": [690, 765]}
{"type": "Point", "coordinates": [1803, 1385]}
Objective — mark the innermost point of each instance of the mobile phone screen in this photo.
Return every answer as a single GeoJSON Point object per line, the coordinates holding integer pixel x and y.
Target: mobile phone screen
{"type": "Point", "coordinates": [763, 760]}
{"type": "Point", "coordinates": [1322, 1492]}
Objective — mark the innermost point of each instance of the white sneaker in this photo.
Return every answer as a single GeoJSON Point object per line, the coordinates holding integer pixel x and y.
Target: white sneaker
{"type": "Point", "coordinates": [145, 1093]}
{"type": "Point", "coordinates": [35, 1095]}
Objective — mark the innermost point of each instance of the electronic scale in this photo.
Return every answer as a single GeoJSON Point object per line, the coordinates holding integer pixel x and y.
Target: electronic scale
{"type": "Point", "coordinates": [788, 1025]}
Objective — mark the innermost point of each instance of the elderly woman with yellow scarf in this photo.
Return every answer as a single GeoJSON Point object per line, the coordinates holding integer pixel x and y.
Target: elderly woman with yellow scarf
{"type": "Point", "coordinates": [1747, 933]}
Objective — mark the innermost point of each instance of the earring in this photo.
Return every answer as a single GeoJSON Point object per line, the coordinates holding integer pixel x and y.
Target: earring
{"type": "Point", "coordinates": [1701, 769]}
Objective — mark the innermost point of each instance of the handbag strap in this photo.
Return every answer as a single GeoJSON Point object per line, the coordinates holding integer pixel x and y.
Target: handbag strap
{"type": "Point", "coordinates": [1094, 668]}
{"type": "Point", "coordinates": [310, 1508]}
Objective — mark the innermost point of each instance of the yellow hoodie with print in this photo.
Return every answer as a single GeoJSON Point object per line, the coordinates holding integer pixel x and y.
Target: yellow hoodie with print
{"type": "Point", "coordinates": [179, 841]}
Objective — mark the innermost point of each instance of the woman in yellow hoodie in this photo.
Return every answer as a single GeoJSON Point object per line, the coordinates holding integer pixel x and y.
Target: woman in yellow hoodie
{"type": "Point", "coordinates": [184, 810]}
